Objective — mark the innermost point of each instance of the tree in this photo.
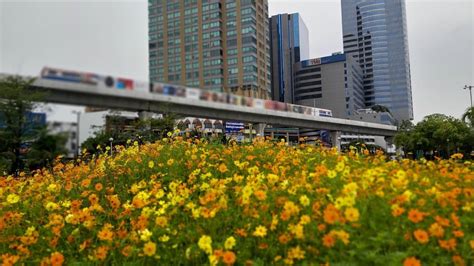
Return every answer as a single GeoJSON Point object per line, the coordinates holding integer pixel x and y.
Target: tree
{"type": "Point", "coordinates": [468, 117]}
{"type": "Point", "coordinates": [15, 103]}
{"type": "Point", "coordinates": [45, 149]}
{"type": "Point", "coordinates": [141, 130]}
{"type": "Point", "coordinates": [24, 144]}
{"type": "Point", "coordinates": [380, 109]}
{"type": "Point", "coordinates": [436, 133]}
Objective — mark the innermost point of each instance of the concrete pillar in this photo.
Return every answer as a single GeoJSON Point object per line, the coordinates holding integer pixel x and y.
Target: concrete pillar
{"type": "Point", "coordinates": [336, 139]}
{"type": "Point", "coordinates": [287, 137]}
{"type": "Point", "coordinates": [260, 128]}
{"type": "Point", "coordinates": [144, 115]}
{"type": "Point", "coordinates": [251, 132]}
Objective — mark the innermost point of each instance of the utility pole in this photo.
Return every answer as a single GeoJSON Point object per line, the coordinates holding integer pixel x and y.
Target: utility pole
{"type": "Point", "coordinates": [77, 152]}
{"type": "Point", "coordinates": [470, 91]}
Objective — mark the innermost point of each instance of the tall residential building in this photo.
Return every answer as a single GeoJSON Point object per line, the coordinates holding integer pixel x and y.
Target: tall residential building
{"type": "Point", "coordinates": [375, 33]}
{"type": "Point", "coordinates": [289, 42]}
{"type": "Point", "coordinates": [221, 45]}
{"type": "Point", "coordinates": [331, 82]}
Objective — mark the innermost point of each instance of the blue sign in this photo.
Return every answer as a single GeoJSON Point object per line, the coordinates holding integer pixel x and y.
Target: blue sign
{"type": "Point", "coordinates": [232, 127]}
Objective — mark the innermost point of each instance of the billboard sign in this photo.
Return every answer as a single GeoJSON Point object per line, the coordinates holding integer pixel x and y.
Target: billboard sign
{"type": "Point", "coordinates": [233, 127]}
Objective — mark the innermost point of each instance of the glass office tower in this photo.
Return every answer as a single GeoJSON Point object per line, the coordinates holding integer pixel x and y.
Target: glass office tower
{"type": "Point", "coordinates": [375, 33]}
{"type": "Point", "coordinates": [221, 45]}
{"type": "Point", "coordinates": [289, 43]}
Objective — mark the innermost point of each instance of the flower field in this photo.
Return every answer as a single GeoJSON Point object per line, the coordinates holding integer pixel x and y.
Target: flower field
{"type": "Point", "coordinates": [187, 202]}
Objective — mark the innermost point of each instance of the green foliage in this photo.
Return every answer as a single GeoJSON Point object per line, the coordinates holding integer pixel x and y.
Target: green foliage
{"type": "Point", "coordinates": [380, 109]}
{"type": "Point", "coordinates": [142, 131]}
{"type": "Point", "coordinates": [23, 146]}
{"type": "Point", "coordinates": [436, 133]}
{"type": "Point", "coordinates": [45, 149]}
{"type": "Point", "coordinates": [468, 117]}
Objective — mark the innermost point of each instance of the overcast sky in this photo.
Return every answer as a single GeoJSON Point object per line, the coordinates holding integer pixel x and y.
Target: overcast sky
{"type": "Point", "coordinates": [110, 37]}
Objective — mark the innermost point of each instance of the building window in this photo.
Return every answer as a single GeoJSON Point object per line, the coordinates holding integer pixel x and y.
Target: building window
{"type": "Point", "coordinates": [232, 61]}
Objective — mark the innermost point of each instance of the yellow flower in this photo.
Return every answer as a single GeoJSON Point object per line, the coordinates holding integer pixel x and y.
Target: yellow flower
{"type": "Point", "coordinates": [352, 214]}
{"type": "Point", "coordinates": [260, 231]}
{"type": "Point", "coordinates": [305, 219]}
{"type": "Point", "coordinates": [151, 164]}
{"type": "Point", "coordinates": [52, 188]}
{"type": "Point", "coordinates": [149, 249]}
{"type": "Point", "coordinates": [304, 200]}
{"type": "Point", "coordinates": [340, 166]}
{"type": "Point", "coordinates": [332, 173]}
{"type": "Point", "coordinates": [164, 238]}
{"type": "Point", "coordinates": [205, 243]}
{"type": "Point", "coordinates": [296, 253]}
{"type": "Point", "coordinates": [145, 235]}
{"type": "Point", "coordinates": [30, 231]}
{"type": "Point", "coordinates": [51, 206]}
{"type": "Point", "coordinates": [297, 230]}
{"type": "Point", "coordinates": [13, 198]}
{"type": "Point", "coordinates": [229, 243]}
{"type": "Point", "coordinates": [170, 162]}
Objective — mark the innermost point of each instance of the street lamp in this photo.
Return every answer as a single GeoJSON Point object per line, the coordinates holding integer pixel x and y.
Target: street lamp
{"type": "Point", "coordinates": [111, 147]}
{"type": "Point", "coordinates": [447, 140]}
{"type": "Point", "coordinates": [470, 91]}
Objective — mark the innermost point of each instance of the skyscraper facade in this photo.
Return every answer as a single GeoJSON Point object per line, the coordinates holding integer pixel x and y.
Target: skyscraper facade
{"type": "Point", "coordinates": [375, 33]}
{"type": "Point", "coordinates": [331, 82]}
{"type": "Point", "coordinates": [289, 43]}
{"type": "Point", "coordinates": [221, 45]}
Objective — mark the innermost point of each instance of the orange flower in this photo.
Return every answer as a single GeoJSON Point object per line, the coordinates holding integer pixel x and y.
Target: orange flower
{"type": "Point", "coordinates": [442, 221]}
{"type": "Point", "coordinates": [98, 186]}
{"type": "Point", "coordinates": [321, 227]}
{"type": "Point", "coordinates": [329, 241]}
{"type": "Point", "coordinates": [126, 251]}
{"type": "Point", "coordinates": [397, 211]}
{"type": "Point", "coordinates": [285, 216]}
{"type": "Point", "coordinates": [455, 220]}
{"type": "Point", "coordinates": [241, 232]}
{"type": "Point", "coordinates": [436, 230]}
{"type": "Point", "coordinates": [260, 195]}
{"type": "Point", "coordinates": [228, 257]}
{"type": "Point", "coordinates": [218, 253]}
{"type": "Point", "coordinates": [331, 214]}
{"type": "Point", "coordinates": [8, 259]}
{"type": "Point", "coordinates": [284, 238]}
{"type": "Point", "coordinates": [411, 261]}
{"type": "Point", "coordinates": [114, 201]}
{"type": "Point", "coordinates": [101, 252]}
{"type": "Point", "coordinates": [105, 234]}
{"type": "Point", "coordinates": [223, 168]}
{"type": "Point", "coordinates": [449, 244]}
{"type": "Point", "coordinates": [458, 233]}
{"type": "Point", "coordinates": [415, 215]}
{"type": "Point", "coordinates": [57, 259]}
{"type": "Point", "coordinates": [421, 236]}
{"type": "Point", "coordinates": [458, 261]}
{"type": "Point", "coordinates": [93, 199]}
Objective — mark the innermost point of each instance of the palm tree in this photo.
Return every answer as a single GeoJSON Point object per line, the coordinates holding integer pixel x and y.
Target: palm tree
{"type": "Point", "coordinates": [468, 117]}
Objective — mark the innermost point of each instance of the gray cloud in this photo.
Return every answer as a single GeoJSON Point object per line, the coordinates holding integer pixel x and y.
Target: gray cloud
{"type": "Point", "coordinates": [110, 37]}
